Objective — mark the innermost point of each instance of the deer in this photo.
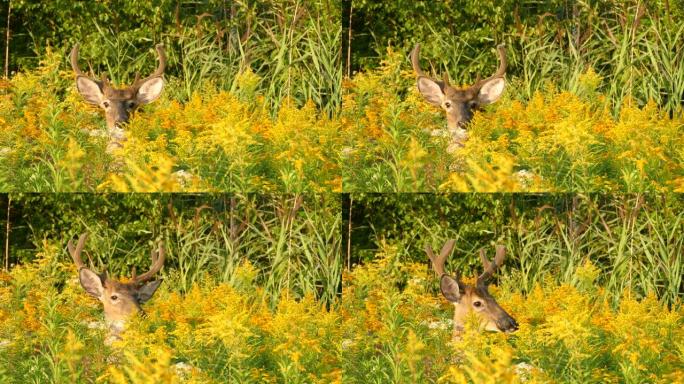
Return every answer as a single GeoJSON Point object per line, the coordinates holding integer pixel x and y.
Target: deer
{"type": "Point", "coordinates": [472, 299]}
{"type": "Point", "coordinates": [459, 104]}
{"type": "Point", "coordinates": [119, 103]}
{"type": "Point", "coordinates": [120, 300]}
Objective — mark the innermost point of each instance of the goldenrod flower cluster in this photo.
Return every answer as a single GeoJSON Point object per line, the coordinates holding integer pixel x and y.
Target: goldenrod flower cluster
{"type": "Point", "coordinates": [396, 327]}
{"type": "Point", "coordinates": [556, 141]}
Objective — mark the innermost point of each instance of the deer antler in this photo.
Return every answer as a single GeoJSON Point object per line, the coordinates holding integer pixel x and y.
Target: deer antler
{"type": "Point", "coordinates": [137, 82]}
{"type": "Point", "coordinates": [489, 267]}
{"type": "Point", "coordinates": [415, 61]}
{"type": "Point", "coordinates": [76, 251]}
{"type": "Point", "coordinates": [438, 261]}
{"type": "Point", "coordinates": [160, 68]}
{"type": "Point", "coordinates": [74, 62]}
{"type": "Point", "coordinates": [157, 257]}
{"type": "Point", "coordinates": [501, 50]}
{"type": "Point", "coordinates": [79, 73]}
{"type": "Point", "coordinates": [445, 79]}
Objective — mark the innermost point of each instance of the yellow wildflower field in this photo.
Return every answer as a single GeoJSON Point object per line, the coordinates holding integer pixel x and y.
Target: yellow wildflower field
{"type": "Point", "coordinates": [212, 333]}
{"type": "Point", "coordinates": [556, 141]}
{"type": "Point", "coordinates": [249, 294]}
{"type": "Point", "coordinates": [397, 328]}
{"type": "Point", "coordinates": [52, 140]}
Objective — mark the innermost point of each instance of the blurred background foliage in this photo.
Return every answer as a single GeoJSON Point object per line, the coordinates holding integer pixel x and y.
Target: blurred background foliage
{"type": "Point", "coordinates": [633, 239]}
{"type": "Point", "coordinates": [638, 46]}
{"type": "Point", "coordinates": [292, 241]}
{"type": "Point", "coordinates": [292, 45]}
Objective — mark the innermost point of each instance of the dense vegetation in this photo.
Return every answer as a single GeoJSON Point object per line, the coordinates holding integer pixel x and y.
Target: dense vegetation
{"type": "Point", "coordinates": [632, 240]}
{"type": "Point", "coordinates": [216, 141]}
{"type": "Point", "coordinates": [394, 141]}
{"type": "Point", "coordinates": [293, 46]}
{"type": "Point", "coordinates": [250, 292]}
{"type": "Point", "coordinates": [593, 102]}
{"type": "Point", "coordinates": [250, 102]}
{"type": "Point", "coordinates": [396, 328]}
{"type": "Point", "coordinates": [595, 282]}
{"type": "Point", "coordinates": [636, 45]}
{"type": "Point", "coordinates": [290, 240]}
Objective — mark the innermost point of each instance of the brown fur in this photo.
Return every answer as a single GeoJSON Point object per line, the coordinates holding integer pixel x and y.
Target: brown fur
{"type": "Point", "coordinates": [120, 300]}
{"type": "Point", "coordinates": [472, 300]}
{"type": "Point", "coordinates": [459, 104]}
{"type": "Point", "coordinates": [118, 104]}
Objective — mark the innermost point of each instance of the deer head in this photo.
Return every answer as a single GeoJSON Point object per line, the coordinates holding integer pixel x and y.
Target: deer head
{"type": "Point", "coordinates": [120, 300]}
{"type": "Point", "coordinates": [119, 104]}
{"type": "Point", "coordinates": [459, 104]}
{"type": "Point", "coordinates": [468, 299]}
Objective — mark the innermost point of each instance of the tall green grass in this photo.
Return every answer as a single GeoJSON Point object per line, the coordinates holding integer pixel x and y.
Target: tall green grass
{"type": "Point", "coordinates": [636, 46]}
{"type": "Point", "coordinates": [632, 240]}
{"type": "Point", "coordinates": [293, 47]}
{"type": "Point", "coordinates": [291, 241]}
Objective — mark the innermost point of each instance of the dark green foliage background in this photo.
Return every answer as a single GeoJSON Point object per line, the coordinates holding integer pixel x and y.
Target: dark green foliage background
{"type": "Point", "coordinates": [634, 240]}
{"type": "Point", "coordinates": [294, 45]}
{"type": "Point", "coordinates": [206, 235]}
{"type": "Point", "coordinates": [636, 45]}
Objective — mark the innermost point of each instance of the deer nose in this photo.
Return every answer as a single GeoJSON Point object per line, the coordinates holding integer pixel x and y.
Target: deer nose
{"type": "Point", "coordinates": [514, 326]}
{"type": "Point", "coordinates": [508, 324]}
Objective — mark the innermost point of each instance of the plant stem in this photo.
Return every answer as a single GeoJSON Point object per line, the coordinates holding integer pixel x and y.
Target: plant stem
{"type": "Point", "coordinates": [349, 229]}
{"type": "Point", "coordinates": [7, 232]}
{"type": "Point", "coordinates": [7, 39]}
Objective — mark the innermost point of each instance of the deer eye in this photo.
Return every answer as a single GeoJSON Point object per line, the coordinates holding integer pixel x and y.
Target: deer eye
{"type": "Point", "coordinates": [447, 104]}
{"type": "Point", "coordinates": [472, 104]}
{"type": "Point", "coordinates": [105, 104]}
{"type": "Point", "coordinates": [477, 304]}
{"type": "Point", "coordinates": [130, 104]}
{"type": "Point", "coordinates": [114, 297]}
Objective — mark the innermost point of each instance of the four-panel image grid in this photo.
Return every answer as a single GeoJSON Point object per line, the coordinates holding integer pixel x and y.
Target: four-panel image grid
{"type": "Point", "coordinates": [341, 191]}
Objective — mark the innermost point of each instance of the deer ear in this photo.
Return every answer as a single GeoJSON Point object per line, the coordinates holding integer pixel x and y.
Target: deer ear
{"type": "Point", "coordinates": [90, 90]}
{"type": "Point", "coordinates": [491, 91]}
{"type": "Point", "coordinates": [150, 90]}
{"type": "Point", "coordinates": [91, 282]}
{"type": "Point", "coordinates": [146, 291]}
{"type": "Point", "coordinates": [430, 90]}
{"type": "Point", "coordinates": [450, 289]}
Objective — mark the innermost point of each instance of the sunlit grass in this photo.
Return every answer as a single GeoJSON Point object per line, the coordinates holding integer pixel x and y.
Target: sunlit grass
{"type": "Point", "coordinates": [554, 141]}
{"type": "Point", "coordinates": [397, 328]}
{"type": "Point", "coordinates": [250, 293]}
{"type": "Point", "coordinates": [218, 140]}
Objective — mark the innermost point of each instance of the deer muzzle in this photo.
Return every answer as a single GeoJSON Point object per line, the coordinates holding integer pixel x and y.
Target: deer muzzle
{"type": "Point", "coordinates": [507, 324]}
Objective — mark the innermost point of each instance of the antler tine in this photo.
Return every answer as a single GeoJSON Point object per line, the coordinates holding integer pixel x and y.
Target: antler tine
{"type": "Point", "coordinates": [489, 267]}
{"type": "Point", "coordinates": [104, 80]}
{"type": "Point", "coordinates": [76, 251]}
{"type": "Point", "coordinates": [74, 61]}
{"type": "Point", "coordinates": [439, 270]}
{"type": "Point", "coordinates": [500, 254]}
{"type": "Point", "coordinates": [445, 79]}
{"type": "Point", "coordinates": [501, 50]}
{"type": "Point", "coordinates": [438, 261]}
{"type": "Point", "coordinates": [160, 67]}
{"type": "Point", "coordinates": [415, 61]}
{"type": "Point", "coordinates": [500, 72]}
{"type": "Point", "coordinates": [157, 258]}
{"type": "Point", "coordinates": [162, 61]}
